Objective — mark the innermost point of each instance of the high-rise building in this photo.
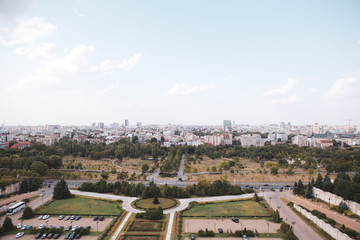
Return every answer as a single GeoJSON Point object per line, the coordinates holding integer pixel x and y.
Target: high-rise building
{"type": "Point", "coordinates": [227, 125]}
{"type": "Point", "coordinates": [138, 124]}
{"type": "Point", "coordinates": [316, 128]}
{"type": "Point", "coordinates": [126, 123]}
{"type": "Point", "coordinates": [101, 125]}
{"type": "Point", "coordinates": [115, 125]}
{"type": "Point", "coordinates": [282, 125]}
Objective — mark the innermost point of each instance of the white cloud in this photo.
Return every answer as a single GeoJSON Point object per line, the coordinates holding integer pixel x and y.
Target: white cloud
{"type": "Point", "coordinates": [105, 92]}
{"type": "Point", "coordinates": [311, 90]}
{"type": "Point", "coordinates": [282, 89]}
{"type": "Point", "coordinates": [30, 31]}
{"type": "Point", "coordinates": [182, 89]}
{"type": "Point", "coordinates": [343, 87]}
{"type": "Point", "coordinates": [77, 12]}
{"type": "Point", "coordinates": [228, 78]}
{"type": "Point", "coordinates": [38, 50]}
{"type": "Point", "coordinates": [286, 100]}
{"type": "Point", "coordinates": [106, 67]}
{"type": "Point", "coordinates": [127, 64]}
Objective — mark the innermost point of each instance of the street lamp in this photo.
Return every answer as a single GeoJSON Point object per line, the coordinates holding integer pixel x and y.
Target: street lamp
{"type": "Point", "coordinates": [97, 227]}
{"type": "Point", "coordinates": [268, 228]}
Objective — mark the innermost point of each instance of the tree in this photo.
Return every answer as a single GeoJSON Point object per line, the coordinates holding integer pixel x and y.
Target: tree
{"type": "Point", "coordinates": [104, 175]}
{"type": "Point", "coordinates": [8, 225]}
{"type": "Point", "coordinates": [309, 191]}
{"type": "Point", "coordinates": [156, 200]}
{"type": "Point", "coordinates": [145, 168]}
{"type": "Point", "coordinates": [290, 235]}
{"type": "Point", "coordinates": [28, 213]}
{"type": "Point", "coordinates": [256, 197]}
{"type": "Point", "coordinates": [61, 190]}
{"type": "Point", "coordinates": [274, 170]}
{"type": "Point", "coordinates": [343, 207]}
{"type": "Point", "coordinates": [276, 216]}
{"type": "Point", "coordinates": [39, 167]}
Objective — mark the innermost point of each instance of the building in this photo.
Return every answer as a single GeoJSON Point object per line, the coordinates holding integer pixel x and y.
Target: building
{"type": "Point", "coordinates": [227, 125]}
{"type": "Point", "coordinates": [249, 140]}
{"type": "Point", "coordinates": [300, 140]}
{"type": "Point", "coordinates": [316, 128]}
{"type": "Point", "coordinates": [115, 125]}
{"type": "Point", "coordinates": [138, 124]}
{"type": "Point", "coordinates": [126, 123]}
{"type": "Point", "coordinates": [282, 125]}
{"type": "Point", "coordinates": [101, 125]}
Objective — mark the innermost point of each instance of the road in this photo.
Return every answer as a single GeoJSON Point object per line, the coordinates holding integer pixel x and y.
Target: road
{"type": "Point", "coordinates": [181, 176]}
{"type": "Point", "coordinates": [301, 229]}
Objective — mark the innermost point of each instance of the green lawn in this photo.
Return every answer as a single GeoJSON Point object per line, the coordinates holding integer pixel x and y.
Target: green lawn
{"type": "Point", "coordinates": [227, 209]}
{"type": "Point", "coordinates": [165, 203]}
{"type": "Point", "coordinates": [82, 206]}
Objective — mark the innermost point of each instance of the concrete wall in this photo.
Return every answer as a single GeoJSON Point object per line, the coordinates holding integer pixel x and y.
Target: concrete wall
{"type": "Point", "coordinates": [335, 200]}
{"type": "Point", "coordinates": [10, 189]}
{"type": "Point", "coordinates": [333, 232]}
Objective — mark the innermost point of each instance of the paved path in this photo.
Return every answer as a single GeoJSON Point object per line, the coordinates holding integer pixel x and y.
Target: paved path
{"type": "Point", "coordinates": [324, 208]}
{"type": "Point", "coordinates": [170, 226]}
{"type": "Point", "coordinates": [301, 229]}
{"type": "Point", "coordinates": [181, 169]}
{"type": "Point", "coordinates": [120, 228]}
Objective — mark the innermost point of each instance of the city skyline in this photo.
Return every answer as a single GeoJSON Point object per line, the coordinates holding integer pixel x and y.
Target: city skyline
{"type": "Point", "coordinates": [190, 63]}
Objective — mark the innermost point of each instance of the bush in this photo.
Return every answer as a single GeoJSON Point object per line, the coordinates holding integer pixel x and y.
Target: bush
{"type": "Point", "coordinates": [276, 216]}
{"type": "Point", "coordinates": [343, 207]}
{"type": "Point", "coordinates": [140, 215]}
{"type": "Point", "coordinates": [28, 213]}
{"type": "Point", "coordinates": [318, 214]}
{"type": "Point", "coordinates": [7, 225]}
{"type": "Point", "coordinates": [207, 233]}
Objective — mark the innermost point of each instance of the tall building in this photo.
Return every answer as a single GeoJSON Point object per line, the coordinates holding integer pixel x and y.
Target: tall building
{"type": "Point", "coordinates": [282, 125]}
{"type": "Point", "coordinates": [101, 125]}
{"type": "Point", "coordinates": [126, 123]}
{"type": "Point", "coordinates": [138, 124]}
{"type": "Point", "coordinates": [227, 125]}
{"type": "Point", "coordinates": [316, 128]}
{"type": "Point", "coordinates": [115, 125]}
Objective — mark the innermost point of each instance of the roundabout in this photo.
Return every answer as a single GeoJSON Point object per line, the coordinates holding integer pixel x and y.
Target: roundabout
{"type": "Point", "coordinates": [164, 203]}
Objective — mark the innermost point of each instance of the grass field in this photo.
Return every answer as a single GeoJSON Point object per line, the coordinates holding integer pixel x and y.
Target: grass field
{"type": "Point", "coordinates": [165, 203]}
{"type": "Point", "coordinates": [141, 237]}
{"type": "Point", "coordinates": [146, 226]}
{"type": "Point", "coordinates": [78, 205]}
{"type": "Point", "coordinates": [227, 209]}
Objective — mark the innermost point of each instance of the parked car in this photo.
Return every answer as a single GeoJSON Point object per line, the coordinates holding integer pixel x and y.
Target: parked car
{"type": "Point", "coordinates": [78, 236]}
{"type": "Point", "coordinates": [45, 217]}
{"type": "Point", "coordinates": [44, 236]}
{"type": "Point", "coordinates": [235, 220]}
{"type": "Point", "coordinates": [265, 185]}
{"type": "Point", "coordinates": [67, 218]}
{"type": "Point", "coordinates": [88, 227]}
{"type": "Point", "coordinates": [72, 236]}
{"type": "Point", "coordinates": [74, 228]}
{"type": "Point", "coordinates": [72, 217]}
{"type": "Point", "coordinates": [245, 237]}
{"type": "Point", "coordinates": [60, 227]}
{"type": "Point", "coordinates": [40, 217]}
{"type": "Point", "coordinates": [52, 226]}
{"type": "Point", "coordinates": [41, 226]}
{"type": "Point", "coordinates": [101, 218]}
{"type": "Point", "coordinates": [61, 217]}
{"type": "Point", "coordinates": [56, 236]}
{"type": "Point", "coordinates": [68, 228]}
{"type": "Point", "coordinates": [77, 217]}
{"type": "Point", "coordinates": [19, 235]}
{"type": "Point", "coordinates": [192, 237]}
{"type": "Point", "coordinates": [37, 236]}
{"type": "Point", "coordinates": [67, 236]}
{"type": "Point", "coordinates": [50, 235]}
{"type": "Point", "coordinates": [220, 230]}
{"type": "Point", "coordinates": [96, 218]}
{"type": "Point", "coordinates": [23, 227]}
{"type": "Point", "coordinates": [28, 227]}
{"type": "Point", "coordinates": [19, 226]}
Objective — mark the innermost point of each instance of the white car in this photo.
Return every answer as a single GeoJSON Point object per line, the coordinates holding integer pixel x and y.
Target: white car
{"type": "Point", "coordinates": [41, 226]}
{"type": "Point", "coordinates": [19, 235]}
{"type": "Point", "coordinates": [46, 217]}
{"type": "Point", "coordinates": [40, 217]}
{"type": "Point", "coordinates": [74, 228]}
{"type": "Point", "coordinates": [52, 226]}
{"type": "Point", "coordinates": [18, 226]}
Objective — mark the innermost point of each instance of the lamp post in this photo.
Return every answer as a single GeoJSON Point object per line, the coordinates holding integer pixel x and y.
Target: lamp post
{"type": "Point", "coordinates": [268, 228]}
{"type": "Point", "coordinates": [97, 227]}
{"type": "Point", "coordinates": [329, 202]}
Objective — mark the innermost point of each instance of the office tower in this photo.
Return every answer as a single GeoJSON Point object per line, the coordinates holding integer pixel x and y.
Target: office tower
{"type": "Point", "coordinates": [126, 123]}
{"type": "Point", "coordinates": [282, 125]}
{"type": "Point", "coordinates": [227, 125]}
{"type": "Point", "coordinates": [101, 125]}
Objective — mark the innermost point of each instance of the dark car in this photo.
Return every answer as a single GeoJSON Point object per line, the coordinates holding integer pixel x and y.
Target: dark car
{"type": "Point", "coordinates": [43, 236]}
{"type": "Point", "coordinates": [235, 220]}
{"type": "Point", "coordinates": [68, 228]}
{"type": "Point", "coordinates": [101, 218]}
{"type": "Point", "coordinates": [78, 236]}
{"type": "Point", "coordinates": [192, 237]}
{"type": "Point", "coordinates": [77, 217]}
{"type": "Point", "coordinates": [96, 218]}
{"type": "Point", "coordinates": [265, 185]}
{"type": "Point", "coordinates": [61, 227]}
{"type": "Point", "coordinates": [56, 236]}
{"type": "Point", "coordinates": [37, 236]}
{"type": "Point", "coordinates": [220, 230]}
{"type": "Point", "coordinates": [88, 227]}
{"type": "Point", "coordinates": [72, 236]}
{"type": "Point", "coordinates": [281, 189]}
{"type": "Point", "coordinates": [67, 236]}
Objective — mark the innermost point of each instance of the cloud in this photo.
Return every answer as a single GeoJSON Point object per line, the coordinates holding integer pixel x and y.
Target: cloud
{"type": "Point", "coordinates": [105, 92]}
{"type": "Point", "coordinates": [343, 87]}
{"type": "Point", "coordinates": [43, 50]}
{"type": "Point", "coordinates": [182, 89]}
{"type": "Point", "coordinates": [285, 100]}
{"type": "Point", "coordinates": [282, 89]}
{"type": "Point", "coordinates": [30, 31]}
{"type": "Point", "coordinates": [228, 78]}
{"type": "Point", "coordinates": [127, 64]}
{"type": "Point", "coordinates": [311, 90]}
{"type": "Point", "coordinates": [77, 12]}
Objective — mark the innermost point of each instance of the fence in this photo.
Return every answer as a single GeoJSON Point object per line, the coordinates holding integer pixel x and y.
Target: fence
{"type": "Point", "coordinates": [333, 232]}
{"type": "Point", "coordinates": [335, 200]}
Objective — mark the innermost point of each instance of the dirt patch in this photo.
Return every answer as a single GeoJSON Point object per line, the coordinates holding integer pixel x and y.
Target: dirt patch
{"type": "Point", "coordinates": [145, 226]}
{"type": "Point", "coordinates": [194, 225]}
{"type": "Point", "coordinates": [141, 238]}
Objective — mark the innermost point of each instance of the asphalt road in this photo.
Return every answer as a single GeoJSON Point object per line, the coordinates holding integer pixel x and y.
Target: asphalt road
{"type": "Point", "coordinates": [301, 229]}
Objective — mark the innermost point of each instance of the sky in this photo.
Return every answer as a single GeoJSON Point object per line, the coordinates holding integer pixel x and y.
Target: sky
{"type": "Point", "coordinates": [182, 62]}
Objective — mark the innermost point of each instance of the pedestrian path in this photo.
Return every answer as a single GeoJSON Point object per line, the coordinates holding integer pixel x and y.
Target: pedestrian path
{"type": "Point", "coordinates": [120, 228]}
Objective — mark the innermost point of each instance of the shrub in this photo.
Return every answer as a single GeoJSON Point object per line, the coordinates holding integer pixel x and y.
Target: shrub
{"type": "Point", "coordinates": [207, 233]}
{"type": "Point", "coordinates": [28, 213]}
{"type": "Point", "coordinates": [343, 207]}
{"type": "Point", "coordinates": [7, 225]}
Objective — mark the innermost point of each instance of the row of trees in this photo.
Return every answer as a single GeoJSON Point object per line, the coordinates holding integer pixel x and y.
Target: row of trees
{"type": "Point", "coordinates": [172, 162]}
{"type": "Point", "coordinates": [203, 188]}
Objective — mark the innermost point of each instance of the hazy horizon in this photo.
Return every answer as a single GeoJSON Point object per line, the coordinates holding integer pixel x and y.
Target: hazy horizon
{"type": "Point", "coordinates": [192, 63]}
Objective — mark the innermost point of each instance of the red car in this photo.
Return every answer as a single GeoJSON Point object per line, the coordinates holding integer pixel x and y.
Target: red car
{"type": "Point", "coordinates": [50, 235]}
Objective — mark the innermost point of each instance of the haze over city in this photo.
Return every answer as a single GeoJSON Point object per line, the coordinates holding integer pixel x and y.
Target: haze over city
{"type": "Point", "coordinates": [158, 62]}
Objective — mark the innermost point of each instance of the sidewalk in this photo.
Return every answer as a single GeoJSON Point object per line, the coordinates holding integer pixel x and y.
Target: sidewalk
{"type": "Point", "coordinates": [15, 198]}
